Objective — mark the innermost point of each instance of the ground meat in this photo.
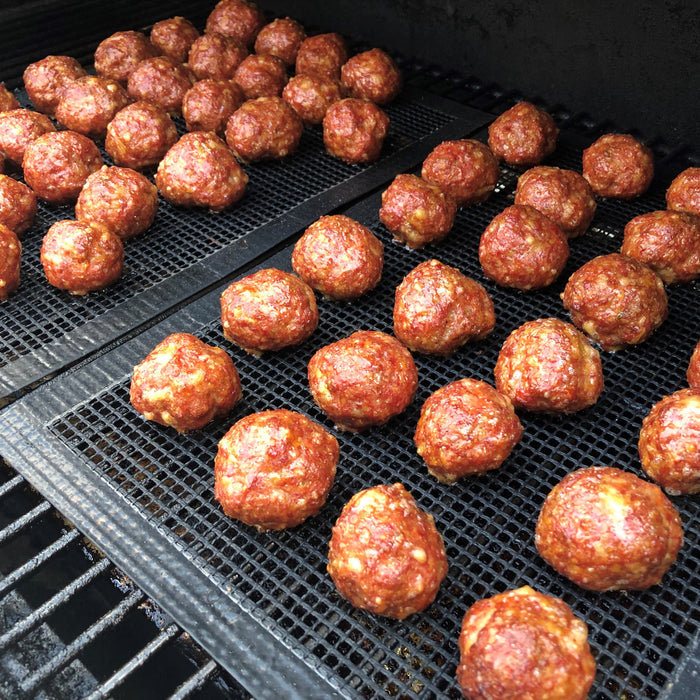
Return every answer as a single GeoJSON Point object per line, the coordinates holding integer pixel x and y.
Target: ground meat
{"type": "Point", "coordinates": [606, 529]}
{"type": "Point", "coordinates": [562, 195]}
{"type": "Point", "coordinates": [184, 383]}
{"type": "Point", "coordinates": [354, 130]}
{"type": "Point", "coordinates": [523, 135]}
{"type": "Point", "coordinates": [200, 171]}
{"type": "Point", "coordinates": [7, 99]}
{"type": "Point", "coordinates": [17, 205]}
{"type": "Point", "coordinates": [263, 129]}
{"type": "Point", "coordinates": [311, 97]}
{"type": "Point", "coordinates": [274, 469]}
{"type": "Point", "coordinates": [119, 54]}
{"type": "Point", "coordinates": [57, 164]}
{"type": "Point", "coordinates": [363, 380]}
{"type": "Point", "coordinates": [465, 169]}
{"type": "Point", "coordinates": [385, 554]}
{"type": "Point", "coordinates": [683, 194]}
{"type": "Point", "coordinates": [18, 128]}
{"type": "Point", "coordinates": [120, 198]}
{"type": "Point", "coordinates": [173, 37]}
{"type": "Point", "coordinates": [44, 80]}
{"type": "Point", "coordinates": [282, 38]}
{"type": "Point", "coordinates": [81, 256]}
{"type": "Point", "coordinates": [616, 300]}
{"type": "Point", "coordinates": [522, 248]}
{"type": "Point", "coordinates": [261, 75]}
{"type": "Point", "coordinates": [466, 427]}
{"type": "Point", "coordinates": [268, 310]}
{"type": "Point", "coordinates": [140, 135]}
{"type": "Point", "coordinates": [10, 258]}
{"type": "Point", "coordinates": [618, 166]}
{"type": "Point", "coordinates": [162, 81]}
{"type": "Point", "coordinates": [371, 75]}
{"type": "Point", "coordinates": [209, 103]}
{"type": "Point", "coordinates": [693, 371]}
{"type": "Point", "coordinates": [339, 257]}
{"type": "Point", "coordinates": [548, 365]}
{"type": "Point", "coordinates": [322, 55]}
{"type": "Point", "coordinates": [239, 19]}
{"type": "Point", "coordinates": [437, 309]}
{"type": "Point", "coordinates": [216, 56]}
{"type": "Point", "coordinates": [524, 645]}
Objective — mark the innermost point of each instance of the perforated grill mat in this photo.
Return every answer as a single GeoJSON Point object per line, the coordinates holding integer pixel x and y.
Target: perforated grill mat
{"type": "Point", "coordinates": [641, 640]}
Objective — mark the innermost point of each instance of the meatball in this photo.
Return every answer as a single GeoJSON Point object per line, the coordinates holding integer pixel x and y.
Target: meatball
{"type": "Point", "coordinates": [466, 427]}
{"type": "Point", "coordinates": [437, 309]}
{"type": "Point", "coordinates": [667, 241]}
{"type": "Point", "coordinates": [10, 257]}
{"type": "Point", "coordinates": [363, 380]}
{"type": "Point", "coordinates": [44, 80]}
{"type": "Point", "coordinates": [209, 103]}
{"type": "Point", "coordinates": [618, 166]}
{"type": "Point", "coordinates": [120, 198]}
{"type": "Point", "coordinates": [263, 129]}
{"type": "Point", "coordinates": [281, 38]}
{"type": "Point", "coordinates": [526, 645]}
{"type": "Point", "coordinates": [119, 54]}
{"type": "Point", "coordinates": [57, 164]}
{"type": "Point", "coordinates": [7, 99]}
{"type": "Point", "coordinates": [239, 19]}
{"type": "Point", "coordinates": [268, 310]}
{"type": "Point", "coordinates": [216, 56]}
{"type": "Point", "coordinates": [522, 248]}
{"type": "Point", "coordinates": [173, 37]}
{"type": "Point", "coordinates": [200, 171]}
{"type": "Point", "coordinates": [311, 97]}
{"type": "Point", "coordinates": [17, 205]}
{"type": "Point", "coordinates": [162, 81]}
{"type": "Point", "coordinates": [274, 469]}
{"type": "Point", "coordinates": [184, 383]}
{"type": "Point", "coordinates": [261, 75]}
{"type": "Point", "coordinates": [617, 301]}
{"type": "Point", "coordinates": [140, 135]}
{"type": "Point", "coordinates": [523, 135]}
{"type": "Point", "coordinates": [18, 128]}
{"type": "Point", "coordinates": [693, 371]}
{"type": "Point", "coordinates": [322, 55]}
{"type": "Point", "coordinates": [81, 256]}
{"type": "Point", "coordinates": [465, 169]}
{"type": "Point", "coordinates": [683, 194]}
{"type": "Point", "coordinates": [354, 130]}
{"type": "Point", "coordinates": [606, 529]}
{"type": "Point", "coordinates": [562, 195]}
{"type": "Point", "coordinates": [339, 257]}
{"type": "Point", "coordinates": [548, 365]}
{"type": "Point", "coordinates": [371, 75]}
{"type": "Point", "coordinates": [416, 212]}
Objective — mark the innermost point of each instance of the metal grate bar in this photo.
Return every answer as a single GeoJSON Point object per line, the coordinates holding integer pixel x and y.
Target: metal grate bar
{"type": "Point", "coordinates": [195, 682]}
{"type": "Point", "coordinates": [11, 485]}
{"type": "Point", "coordinates": [27, 519]}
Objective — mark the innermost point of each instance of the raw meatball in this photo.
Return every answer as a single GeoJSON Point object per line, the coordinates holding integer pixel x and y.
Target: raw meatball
{"type": "Point", "coordinates": [120, 198]}
{"type": "Point", "coordinates": [140, 135]}
{"type": "Point", "coordinates": [282, 38]}
{"type": "Point", "coordinates": [466, 427]}
{"type": "Point", "coordinates": [683, 193]}
{"type": "Point", "coordinates": [339, 257]}
{"type": "Point", "coordinates": [263, 129]}
{"type": "Point", "coordinates": [522, 248]}
{"type": "Point", "coordinates": [606, 529]}
{"type": "Point", "coordinates": [200, 171]}
{"type": "Point", "coordinates": [261, 76]}
{"type": "Point", "coordinates": [44, 80]}
{"type": "Point", "coordinates": [173, 37]}
{"type": "Point", "coordinates": [119, 54]}
{"type": "Point", "coordinates": [18, 128]}
{"type": "Point", "coordinates": [562, 195]}
{"type": "Point", "coordinates": [416, 212]}
{"type": "Point", "coordinates": [7, 99]}
{"type": "Point", "coordinates": [57, 164]}
{"type": "Point", "coordinates": [363, 380]}
{"type": "Point", "coordinates": [311, 97]}
{"type": "Point", "coordinates": [465, 169]}
{"type": "Point", "coordinates": [209, 103]}
{"type": "Point", "coordinates": [548, 365]}
{"type": "Point", "coordinates": [274, 469]}
{"type": "Point", "coordinates": [239, 19]}
{"type": "Point", "coordinates": [354, 130]}
{"type": "Point", "coordinates": [216, 56]}
{"type": "Point", "coordinates": [268, 310]}
{"type": "Point", "coordinates": [524, 645]}
{"type": "Point", "coordinates": [162, 81]}
{"type": "Point", "coordinates": [81, 256]}
{"type": "Point", "coordinates": [322, 55]}
{"type": "Point", "coordinates": [10, 257]}
{"type": "Point", "coordinates": [523, 135]}
{"type": "Point", "coordinates": [667, 241]}
{"type": "Point", "coordinates": [184, 383]}
{"type": "Point", "coordinates": [437, 309]}
{"type": "Point", "coordinates": [616, 300]}
{"type": "Point", "coordinates": [371, 75]}
{"type": "Point", "coordinates": [693, 371]}
{"type": "Point", "coordinates": [385, 554]}
{"type": "Point", "coordinates": [17, 205]}
{"type": "Point", "coordinates": [618, 166]}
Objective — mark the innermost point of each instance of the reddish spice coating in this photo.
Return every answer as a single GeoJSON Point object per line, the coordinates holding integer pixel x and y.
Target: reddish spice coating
{"type": "Point", "coordinates": [57, 164]}
{"type": "Point", "coordinates": [693, 371]}
{"type": "Point", "coordinates": [416, 212]}
{"type": "Point", "coordinates": [200, 171]}
{"type": "Point", "coordinates": [465, 169]}
{"type": "Point", "coordinates": [268, 310]}
{"type": "Point", "coordinates": [363, 380]}
{"type": "Point", "coordinates": [616, 300]}
{"type": "Point", "coordinates": [354, 130]}
{"type": "Point", "coordinates": [322, 55]}
{"type": "Point", "coordinates": [524, 645]}
{"type": "Point", "coordinates": [606, 529]}
{"type": "Point", "coordinates": [216, 56]}
{"type": "Point", "coordinates": [437, 309]}
{"type": "Point", "coordinates": [523, 248]}
{"type": "Point", "coordinates": [311, 97]}
{"type": "Point", "coordinates": [173, 37]}
{"type": "Point", "coordinates": [18, 128]}
{"type": "Point", "coordinates": [385, 554]}
{"type": "Point", "coordinates": [261, 75]}
{"type": "Point", "coordinates": [683, 194]}
{"type": "Point", "coordinates": [10, 258]}
{"type": "Point", "coordinates": [548, 365]}
{"type": "Point", "coordinates": [209, 103]}
{"type": "Point", "coordinates": [81, 256]}
{"type": "Point", "coordinates": [274, 469]}
{"type": "Point", "coordinates": [17, 205]}
{"type": "Point", "coordinates": [282, 38]}
{"type": "Point", "coordinates": [523, 135]}
{"type": "Point", "coordinates": [161, 81]}
{"type": "Point", "coordinates": [7, 99]}
{"type": "Point", "coordinates": [118, 54]}
{"type": "Point", "coordinates": [140, 135]}
{"type": "Point", "coordinates": [239, 19]}
{"type": "Point", "coordinates": [466, 427]}
{"type": "Point", "coordinates": [263, 129]}
{"type": "Point", "coordinates": [44, 80]}
{"type": "Point", "coordinates": [371, 75]}
{"type": "Point", "coordinates": [618, 166]}
{"type": "Point", "coordinates": [562, 195]}
{"type": "Point", "coordinates": [120, 198]}
{"type": "Point", "coordinates": [339, 257]}
{"type": "Point", "coordinates": [184, 383]}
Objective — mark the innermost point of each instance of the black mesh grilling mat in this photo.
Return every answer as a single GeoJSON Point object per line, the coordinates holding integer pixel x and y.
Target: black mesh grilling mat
{"type": "Point", "coordinates": [148, 486]}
